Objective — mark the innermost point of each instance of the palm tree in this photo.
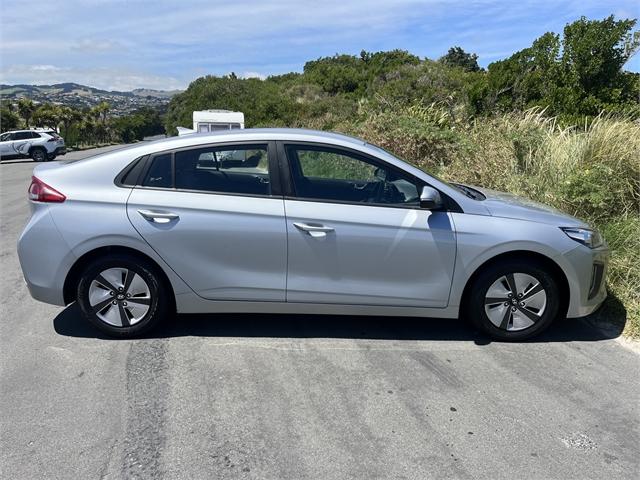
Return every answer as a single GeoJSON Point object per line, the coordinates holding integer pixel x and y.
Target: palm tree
{"type": "Point", "coordinates": [100, 112]}
{"type": "Point", "coordinates": [68, 117]}
{"type": "Point", "coordinates": [48, 115]}
{"type": "Point", "coordinates": [26, 109]}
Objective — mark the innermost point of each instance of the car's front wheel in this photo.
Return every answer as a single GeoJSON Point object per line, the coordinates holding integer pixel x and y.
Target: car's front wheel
{"type": "Point", "coordinates": [514, 300]}
{"type": "Point", "coordinates": [122, 296]}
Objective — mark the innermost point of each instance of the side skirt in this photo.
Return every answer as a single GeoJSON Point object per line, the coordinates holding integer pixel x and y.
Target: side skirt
{"type": "Point", "coordinates": [191, 303]}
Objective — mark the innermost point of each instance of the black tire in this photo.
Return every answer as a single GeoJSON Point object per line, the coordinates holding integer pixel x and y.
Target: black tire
{"type": "Point", "coordinates": [475, 311]}
{"type": "Point", "coordinates": [38, 154]}
{"type": "Point", "coordinates": [159, 302]}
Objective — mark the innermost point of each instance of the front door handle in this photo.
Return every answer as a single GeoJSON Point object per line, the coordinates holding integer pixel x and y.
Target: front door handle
{"type": "Point", "coordinates": [315, 230]}
{"type": "Point", "coordinates": [158, 217]}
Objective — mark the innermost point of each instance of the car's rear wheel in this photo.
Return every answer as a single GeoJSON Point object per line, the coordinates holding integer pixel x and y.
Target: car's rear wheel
{"type": "Point", "coordinates": [123, 296]}
{"type": "Point", "coordinates": [514, 300]}
{"type": "Point", "coordinates": [38, 154]}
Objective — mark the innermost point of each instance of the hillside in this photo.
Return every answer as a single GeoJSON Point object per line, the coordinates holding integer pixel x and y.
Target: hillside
{"type": "Point", "coordinates": [83, 96]}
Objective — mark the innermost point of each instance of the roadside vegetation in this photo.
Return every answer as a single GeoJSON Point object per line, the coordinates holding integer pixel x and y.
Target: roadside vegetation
{"type": "Point", "coordinates": [558, 122]}
{"type": "Point", "coordinates": [82, 128]}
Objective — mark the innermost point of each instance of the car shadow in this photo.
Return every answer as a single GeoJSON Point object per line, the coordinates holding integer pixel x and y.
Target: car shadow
{"type": "Point", "coordinates": [15, 160]}
{"type": "Point", "coordinates": [70, 323]}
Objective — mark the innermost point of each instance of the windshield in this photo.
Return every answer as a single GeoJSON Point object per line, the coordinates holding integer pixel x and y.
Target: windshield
{"type": "Point", "coordinates": [402, 159]}
{"type": "Point", "coordinates": [465, 190]}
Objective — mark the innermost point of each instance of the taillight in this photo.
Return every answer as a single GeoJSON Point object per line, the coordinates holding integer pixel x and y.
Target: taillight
{"type": "Point", "coordinates": [41, 192]}
{"type": "Point", "coordinates": [52, 139]}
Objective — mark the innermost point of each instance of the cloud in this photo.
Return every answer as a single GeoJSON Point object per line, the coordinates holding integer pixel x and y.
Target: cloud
{"type": "Point", "coordinates": [92, 45]}
{"type": "Point", "coordinates": [103, 78]}
{"type": "Point", "coordinates": [159, 41]}
{"type": "Point", "coordinates": [259, 75]}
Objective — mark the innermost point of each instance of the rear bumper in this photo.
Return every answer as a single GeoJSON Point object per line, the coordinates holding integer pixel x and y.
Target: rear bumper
{"type": "Point", "coordinates": [60, 151]}
{"type": "Point", "coordinates": [44, 257]}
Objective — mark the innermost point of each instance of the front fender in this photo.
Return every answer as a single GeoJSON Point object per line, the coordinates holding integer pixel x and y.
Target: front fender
{"type": "Point", "coordinates": [483, 238]}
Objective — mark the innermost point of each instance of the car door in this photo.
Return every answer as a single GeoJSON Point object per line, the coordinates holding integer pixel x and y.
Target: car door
{"type": "Point", "coordinates": [21, 143]}
{"type": "Point", "coordinates": [6, 144]}
{"type": "Point", "coordinates": [357, 235]}
{"type": "Point", "coordinates": [215, 216]}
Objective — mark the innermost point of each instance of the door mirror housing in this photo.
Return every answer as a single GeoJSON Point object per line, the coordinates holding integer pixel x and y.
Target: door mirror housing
{"type": "Point", "coordinates": [430, 198]}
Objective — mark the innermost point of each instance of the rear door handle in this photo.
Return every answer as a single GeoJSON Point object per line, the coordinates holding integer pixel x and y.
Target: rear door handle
{"type": "Point", "coordinates": [158, 217]}
{"type": "Point", "coordinates": [315, 230]}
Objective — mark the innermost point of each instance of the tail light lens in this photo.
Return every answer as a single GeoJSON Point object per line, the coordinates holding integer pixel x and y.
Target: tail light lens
{"type": "Point", "coordinates": [41, 192]}
{"type": "Point", "coordinates": [52, 139]}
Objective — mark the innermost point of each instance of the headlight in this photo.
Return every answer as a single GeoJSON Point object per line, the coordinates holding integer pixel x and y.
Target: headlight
{"type": "Point", "coordinates": [586, 236]}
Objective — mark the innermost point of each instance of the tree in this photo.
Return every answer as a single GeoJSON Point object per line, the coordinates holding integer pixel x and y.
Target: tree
{"type": "Point", "coordinates": [47, 115]}
{"type": "Point", "coordinates": [26, 108]}
{"type": "Point", "coordinates": [69, 116]}
{"type": "Point", "coordinates": [8, 119]}
{"type": "Point", "coordinates": [593, 55]}
{"type": "Point", "coordinates": [457, 57]}
{"type": "Point", "coordinates": [100, 112]}
{"type": "Point", "coordinates": [580, 74]}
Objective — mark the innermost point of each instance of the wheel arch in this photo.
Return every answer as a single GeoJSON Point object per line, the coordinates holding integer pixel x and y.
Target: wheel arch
{"type": "Point", "coordinates": [35, 147]}
{"type": "Point", "coordinates": [555, 270]}
{"type": "Point", "coordinates": [73, 277]}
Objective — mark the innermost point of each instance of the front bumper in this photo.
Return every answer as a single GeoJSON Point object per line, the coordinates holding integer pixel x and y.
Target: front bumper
{"type": "Point", "coordinates": [587, 279]}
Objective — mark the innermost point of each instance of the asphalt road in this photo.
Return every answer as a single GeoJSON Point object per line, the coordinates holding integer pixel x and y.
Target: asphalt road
{"type": "Point", "coordinates": [302, 397]}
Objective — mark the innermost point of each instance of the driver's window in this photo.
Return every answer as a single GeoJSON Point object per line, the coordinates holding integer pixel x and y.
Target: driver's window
{"type": "Point", "coordinates": [325, 173]}
{"type": "Point", "coordinates": [334, 165]}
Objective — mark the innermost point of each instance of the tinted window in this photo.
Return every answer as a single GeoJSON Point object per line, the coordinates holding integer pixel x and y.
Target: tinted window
{"type": "Point", "coordinates": [332, 174]}
{"type": "Point", "coordinates": [159, 174]}
{"type": "Point", "coordinates": [234, 169]}
{"type": "Point", "coordinates": [21, 135]}
{"type": "Point", "coordinates": [5, 137]}
{"type": "Point", "coordinates": [35, 135]}
{"type": "Point", "coordinates": [131, 175]}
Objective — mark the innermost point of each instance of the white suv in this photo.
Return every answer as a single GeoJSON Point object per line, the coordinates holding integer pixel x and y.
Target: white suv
{"type": "Point", "coordinates": [41, 145]}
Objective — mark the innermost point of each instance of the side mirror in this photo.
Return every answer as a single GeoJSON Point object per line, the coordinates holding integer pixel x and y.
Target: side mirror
{"type": "Point", "coordinates": [430, 198]}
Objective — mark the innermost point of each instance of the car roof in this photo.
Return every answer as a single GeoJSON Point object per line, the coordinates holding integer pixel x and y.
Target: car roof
{"type": "Point", "coordinates": [236, 135]}
{"type": "Point", "coordinates": [40, 130]}
{"type": "Point", "coordinates": [273, 133]}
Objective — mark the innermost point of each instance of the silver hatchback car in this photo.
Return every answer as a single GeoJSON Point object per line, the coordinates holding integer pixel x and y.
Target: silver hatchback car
{"type": "Point", "coordinates": [297, 221]}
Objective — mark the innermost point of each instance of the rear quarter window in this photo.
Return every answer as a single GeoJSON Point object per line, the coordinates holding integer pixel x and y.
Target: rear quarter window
{"type": "Point", "coordinates": [160, 173]}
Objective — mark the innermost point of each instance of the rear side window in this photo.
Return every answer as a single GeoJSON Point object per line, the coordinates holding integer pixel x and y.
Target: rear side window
{"type": "Point", "coordinates": [160, 172]}
{"type": "Point", "coordinates": [35, 135]}
{"type": "Point", "coordinates": [22, 135]}
{"type": "Point", "coordinates": [242, 169]}
{"type": "Point", "coordinates": [130, 175]}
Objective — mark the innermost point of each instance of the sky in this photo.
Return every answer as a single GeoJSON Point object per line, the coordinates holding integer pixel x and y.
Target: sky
{"type": "Point", "coordinates": [127, 44]}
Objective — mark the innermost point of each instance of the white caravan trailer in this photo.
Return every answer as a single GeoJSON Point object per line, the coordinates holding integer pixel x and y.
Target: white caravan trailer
{"type": "Point", "coordinates": [212, 120]}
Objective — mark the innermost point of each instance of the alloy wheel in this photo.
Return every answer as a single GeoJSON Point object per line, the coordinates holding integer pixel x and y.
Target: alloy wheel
{"type": "Point", "coordinates": [515, 301]}
{"type": "Point", "coordinates": [119, 297]}
{"type": "Point", "coordinates": [38, 155]}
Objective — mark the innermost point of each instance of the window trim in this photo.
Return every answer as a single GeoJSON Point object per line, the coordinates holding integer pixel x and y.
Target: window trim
{"type": "Point", "coordinates": [449, 205]}
{"type": "Point", "coordinates": [274, 177]}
